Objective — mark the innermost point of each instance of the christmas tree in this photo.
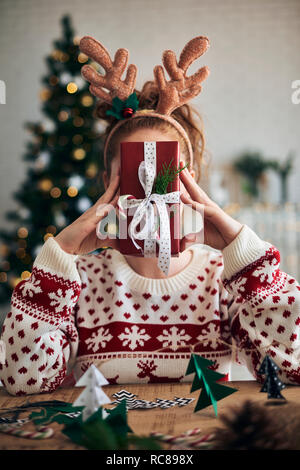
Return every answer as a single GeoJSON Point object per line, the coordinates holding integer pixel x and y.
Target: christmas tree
{"type": "Point", "coordinates": [206, 379]}
{"type": "Point", "coordinates": [272, 384]}
{"type": "Point", "coordinates": [92, 396]}
{"type": "Point", "coordinates": [64, 159]}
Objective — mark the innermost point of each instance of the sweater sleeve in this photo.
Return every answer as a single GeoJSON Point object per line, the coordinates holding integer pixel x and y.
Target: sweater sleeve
{"type": "Point", "coordinates": [263, 305]}
{"type": "Point", "coordinates": [39, 331]}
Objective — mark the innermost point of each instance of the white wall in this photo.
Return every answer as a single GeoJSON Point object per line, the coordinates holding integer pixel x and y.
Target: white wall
{"type": "Point", "coordinates": [246, 102]}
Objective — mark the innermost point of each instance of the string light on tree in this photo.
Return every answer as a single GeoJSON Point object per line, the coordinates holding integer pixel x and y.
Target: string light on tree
{"type": "Point", "coordinates": [14, 281]}
{"type": "Point", "coordinates": [24, 213]}
{"type": "Point", "coordinates": [48, 235]}
{"type": "Point", "coordinates": [63, 116]}
{"type": "Point", "coordinates": [4, 250]}
{"type": "Point", "coordinates": [36, 250]}
{"type": "Point", "coordinates": [65, 78]}
{"type": "Point", "coordinates": [80, 82]}
{"type": "Point", "coordinates": [77, 139]}
{"type": "Point", "coordinates": [72, 191]}
{"type": "Point", "coordinates": [3, 277]}
{"type": "Point", "coordinates": [53, 80]}
{"type": "Point", "coordinates": [45, 184]}
{"type": "Point", "coordinates": [100, 126]}
{"type": "Point", "coordinates": [72, 88]}
{"type": "Point", "coordinates": [20, 253]}
{"type": "Point", "coordinates": [55, 192]}
{"type": "Point", "coordinates": [60, 219]}
{"type": "Point", "coordinates": [60, 55]}
{"type": "Point", "coordinates": [79, 154]}
{"type": "Point", "coordinates": [22, 232]}
{"type": "Point", "coordinates": [48, 125]}
{"type": "Point", "coordinates": [83, 204]}
{"type": "Point", "coordinates": [5, 265]}
{"type": "Point", "coordinates": [45, 94]}
{"type": "Point", "coordinates": [77, 181]}
{"type": "Point", "coordinates": [91, 170]}
{"type": "Point", "coordinates": [25, 275]}
{"type": "Point", "coordinates": [87, 101]}
{"type": "Point", "coordinates": [82, 58]}
{"type": "Point", "coordinates": [42, 160]}
{"type": "Point", "coordinates": [78, 121]}
{"type": "Point", "coordinates": [76, 40]}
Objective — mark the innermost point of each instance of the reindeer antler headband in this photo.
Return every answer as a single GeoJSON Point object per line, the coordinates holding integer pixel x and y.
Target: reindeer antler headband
{"type": "Point", "coordinates": [172, 94]}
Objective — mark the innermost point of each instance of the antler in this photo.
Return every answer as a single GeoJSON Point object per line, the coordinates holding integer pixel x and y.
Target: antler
{"type": "Point", "coordinates": [114, 71]}
{"type": "Point", "coordinates": [180, 88]}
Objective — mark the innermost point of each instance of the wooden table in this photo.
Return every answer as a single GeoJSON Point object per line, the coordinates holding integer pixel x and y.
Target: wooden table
{"type": "Point", "coordinates": [174, 420]}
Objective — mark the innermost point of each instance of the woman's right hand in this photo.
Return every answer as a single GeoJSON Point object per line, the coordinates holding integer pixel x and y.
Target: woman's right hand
{"type": "Point", "coordinates": [80, 236]}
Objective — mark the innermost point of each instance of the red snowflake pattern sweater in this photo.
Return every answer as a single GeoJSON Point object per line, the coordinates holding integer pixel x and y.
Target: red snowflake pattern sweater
{"type": "Point", "coordinates": [77, 310]}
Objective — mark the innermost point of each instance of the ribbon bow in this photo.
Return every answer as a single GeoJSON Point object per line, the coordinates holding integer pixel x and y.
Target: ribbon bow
{"type": "Point", "coordinates": [145, 212]}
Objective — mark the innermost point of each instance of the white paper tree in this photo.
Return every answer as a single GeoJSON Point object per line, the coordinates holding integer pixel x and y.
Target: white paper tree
{"type": "Point", "coordinates": [92, 396]}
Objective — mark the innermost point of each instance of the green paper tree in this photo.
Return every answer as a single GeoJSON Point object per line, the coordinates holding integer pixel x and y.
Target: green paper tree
{"type": "Point", "coordinates": [62, 413]}
{"type": "Point", "coordinates": [206, 379]}
{"type": "Point", "coordinates": [107, 433]}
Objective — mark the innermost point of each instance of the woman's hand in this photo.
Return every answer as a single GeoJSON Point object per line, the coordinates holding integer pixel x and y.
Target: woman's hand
{"type": "Point", "coordinates": [80, 236]}
{"type": "Point", "coordinates": [219, 228]}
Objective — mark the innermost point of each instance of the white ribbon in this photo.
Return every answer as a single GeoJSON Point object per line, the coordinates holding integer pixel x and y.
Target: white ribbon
{"type": "Point", "coordinates": [145, 212]}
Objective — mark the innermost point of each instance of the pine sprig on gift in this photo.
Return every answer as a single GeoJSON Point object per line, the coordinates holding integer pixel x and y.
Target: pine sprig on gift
{"type": "Point", "coordinates": [166, 176]}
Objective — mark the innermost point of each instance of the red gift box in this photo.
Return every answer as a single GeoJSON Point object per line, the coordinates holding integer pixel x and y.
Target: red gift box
{"type": "Point", "coordinates": [132, 154]}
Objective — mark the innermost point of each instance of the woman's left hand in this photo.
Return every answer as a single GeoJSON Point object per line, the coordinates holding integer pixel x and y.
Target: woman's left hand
{"type": "Point", "coordinates": [219, 228]}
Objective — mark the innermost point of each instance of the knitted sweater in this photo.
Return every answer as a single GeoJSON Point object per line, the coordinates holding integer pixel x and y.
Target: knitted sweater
{"type": "Point", "coordinates": [77, 310]}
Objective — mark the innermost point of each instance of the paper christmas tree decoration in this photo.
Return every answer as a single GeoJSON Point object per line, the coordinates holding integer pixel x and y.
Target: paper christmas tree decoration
{"type": "Point", "coordinates": [206, 379]}
{"type": "Point", "coordinates": [92, 375]}
{"type": "Point", "coordinates": [92, 396]}
{"type": "Point", "coordinates": [272, 384]}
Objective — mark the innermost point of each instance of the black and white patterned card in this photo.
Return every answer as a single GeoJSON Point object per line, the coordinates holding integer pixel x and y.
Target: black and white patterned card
{"type": "Point", "coordinates": [134, 403]}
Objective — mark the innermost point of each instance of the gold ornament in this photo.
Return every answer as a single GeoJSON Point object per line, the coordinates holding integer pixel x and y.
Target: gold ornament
{"type": "Point", "coordinates": [87, 101]}
{"type": "Point", "coordinates": [20, 253]}
{"type": "Point", "coordinates": [14, 281]}
{"type": "Point", "coordinates": [22, 232]}
{"type": "Point", "coordinates": [79, 154]}
{"type": "Point", "coordinates": [45, 94]}
{"type": "Point", "coordinates": [25, 275]}
{"type": "Point", "coordinates": [48, 235]}
{"type": "Point", "coordinates": [82, 58]}
{"type": "Point", "coordinates": [4, 250]}
{"type": "Point", "coordinates": [91, 171]}
{"type": "Point", "coordinates": [3, 277]}
{"type": "Point", "coordinates": [53, 80]}
{"type": "Point", "coordinates": [72, 87]}
{"type": "Point", "coordinates": [77, 139]}
{"type": "Point", "coordinates": [72, 191]}
{"type": "Point", "coordinates": [45, 184]}
{"type": "Point", "coordinates": [55, 192]}
{"type": "Point", "coordinates": [63, 116]}
{"type": "Point", "coordinates": [78, 121]}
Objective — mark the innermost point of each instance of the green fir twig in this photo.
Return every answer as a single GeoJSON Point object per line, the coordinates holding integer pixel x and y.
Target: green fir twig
{"type": "Point", "coordinates": [166, 176]}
